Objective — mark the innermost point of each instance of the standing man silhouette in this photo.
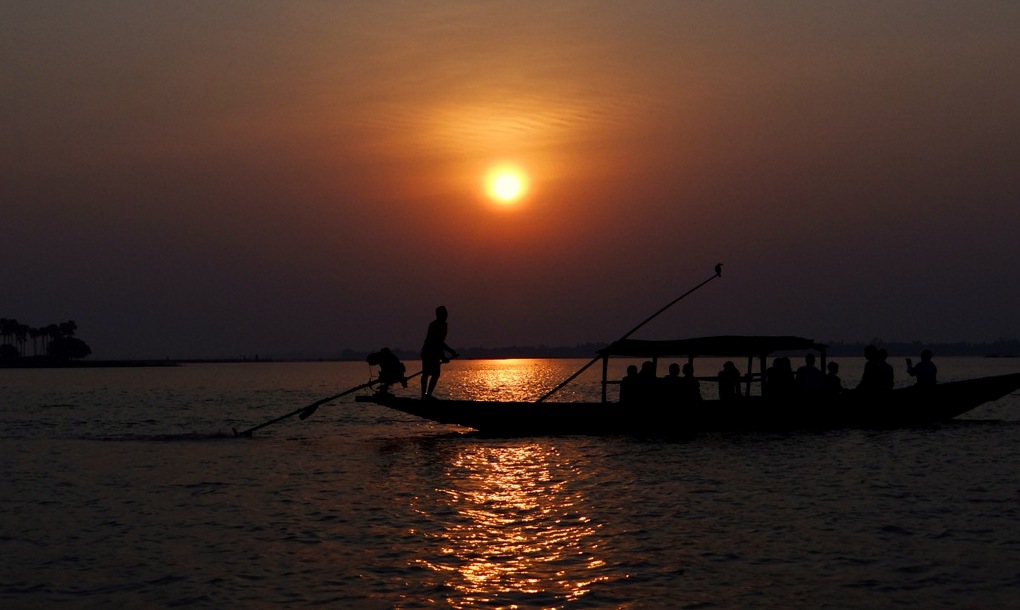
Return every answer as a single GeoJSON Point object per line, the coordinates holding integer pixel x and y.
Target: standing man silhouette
{"type": "Point", "coordinates": [433, 353]}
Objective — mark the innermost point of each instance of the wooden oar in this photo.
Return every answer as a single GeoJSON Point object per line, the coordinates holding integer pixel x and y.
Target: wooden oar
{"type": "Point", "coordinates": [305, 412]}
{"type": "Point", "coordinates": [312, 408]}
{"type": "Point", "coordinates": [718, 273]}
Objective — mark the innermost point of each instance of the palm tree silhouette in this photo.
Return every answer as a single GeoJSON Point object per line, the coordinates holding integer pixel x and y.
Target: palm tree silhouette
{"type": "Point", "coordinates": [14, 338]}
{"type": "Point", "coordinates": [35, 333]}
{"type": "Point", "coordinates": [21, 337]}
{"type": "Point", "coordinates": [67, 329]}
{"type": "Point", "coordinates": [6, 329]}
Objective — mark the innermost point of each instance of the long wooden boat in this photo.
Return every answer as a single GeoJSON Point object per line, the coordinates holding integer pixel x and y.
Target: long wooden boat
{"type": "Point", "coordinates": [755, 410]}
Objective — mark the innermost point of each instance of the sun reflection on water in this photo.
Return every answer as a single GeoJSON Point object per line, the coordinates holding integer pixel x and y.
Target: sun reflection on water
{"type": "Point", "coordinates": [513, 529]}
{"type": "Point", "coordinates": [502, 380]}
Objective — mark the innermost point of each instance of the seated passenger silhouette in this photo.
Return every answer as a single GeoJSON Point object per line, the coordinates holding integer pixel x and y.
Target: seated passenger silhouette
{"type": "Point", "coordinates": [729, 382]}
{"type": "Point", "coordinates": [810, 379]}
{"type": "Point", "coordinates": [690, 389]}
{"type": "Point", "coordinates": [833, 384]}
{"type": "Point", "coordinates": [648, 383]}
{"type": "Point", "coordinates": [628, 385]}
{"type": "Point", "coordinates": [779, 379]}
{"type": "Point", "coordinates": [672, 385]}
{"type": "Point", "coordinates": [871, 378]}
{"type": "Point", "coordinates": [925, 371]}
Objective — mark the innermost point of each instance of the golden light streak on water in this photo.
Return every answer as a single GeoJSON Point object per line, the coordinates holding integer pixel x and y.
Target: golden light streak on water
{"type": "Point", "coordinates": [516, 526]}
{"type": "Point", "coordinates": [506, 380]}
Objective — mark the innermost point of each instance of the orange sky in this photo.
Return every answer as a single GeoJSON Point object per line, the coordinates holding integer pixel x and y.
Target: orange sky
{"type": "Point", "coordinates": [192, 180]}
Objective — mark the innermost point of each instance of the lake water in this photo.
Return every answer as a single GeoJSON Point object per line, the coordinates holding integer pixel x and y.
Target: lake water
{"type": "Point", "coordinates": [126, 488]}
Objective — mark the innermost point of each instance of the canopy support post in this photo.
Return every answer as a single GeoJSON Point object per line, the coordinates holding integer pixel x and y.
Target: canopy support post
{"type": "Point", "coordinates": [750, 375]}
{"type": "Point", "coordinates": [605, 377]}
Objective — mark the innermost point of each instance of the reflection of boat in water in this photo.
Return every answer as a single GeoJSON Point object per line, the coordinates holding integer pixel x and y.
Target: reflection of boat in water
{"type": "Point", "coordinates": [908, 406]}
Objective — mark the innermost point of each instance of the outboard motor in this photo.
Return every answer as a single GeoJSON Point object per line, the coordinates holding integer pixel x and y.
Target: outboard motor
{"type": "Point", "coordinates": [391, 369]}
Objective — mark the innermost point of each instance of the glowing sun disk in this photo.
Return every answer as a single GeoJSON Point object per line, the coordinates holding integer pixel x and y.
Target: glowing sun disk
{"type": "Point", "coordinates": [506, 184]}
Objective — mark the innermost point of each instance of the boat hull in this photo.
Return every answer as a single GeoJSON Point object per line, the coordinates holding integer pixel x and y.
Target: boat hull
{"type": "Point", "coordinates": [912, 406]}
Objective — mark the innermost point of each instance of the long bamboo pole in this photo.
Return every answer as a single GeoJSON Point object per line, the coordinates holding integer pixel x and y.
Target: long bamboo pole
{"type": "Point", "coordinates": [304, 412]}
{"type": "Point", "coordinates": [718, 273]}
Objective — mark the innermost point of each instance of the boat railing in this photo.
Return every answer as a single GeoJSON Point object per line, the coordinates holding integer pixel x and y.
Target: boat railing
{"type": "Point", "coordinates": [753, 379]}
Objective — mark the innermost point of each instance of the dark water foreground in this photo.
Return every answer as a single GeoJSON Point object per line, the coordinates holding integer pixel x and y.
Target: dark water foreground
{"type": "Point", "coordinates": [127, 489]}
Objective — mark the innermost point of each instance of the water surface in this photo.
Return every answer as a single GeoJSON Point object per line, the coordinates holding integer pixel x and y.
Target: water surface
{"type": "Point", "coordinates": [126, 488]}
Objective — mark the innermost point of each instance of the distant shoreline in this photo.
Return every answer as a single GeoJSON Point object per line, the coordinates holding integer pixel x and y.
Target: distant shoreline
{"type": "Point", "coordinates": [29, 363]}
{"type": "Point", "coordinates": [1005, 348]}
{"type": "Point", "coordinates": [999, 349]}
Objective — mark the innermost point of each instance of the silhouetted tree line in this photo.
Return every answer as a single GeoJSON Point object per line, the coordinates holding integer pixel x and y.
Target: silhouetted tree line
{"type": "Point", "coordinates": [1004, 348]}
{"type": "Point", "coordinates": [56, 340]}
{"type": "Point", "coordinates": [582, 350]}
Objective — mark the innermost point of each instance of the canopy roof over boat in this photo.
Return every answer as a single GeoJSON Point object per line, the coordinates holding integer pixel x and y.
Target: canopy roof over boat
{"type": "Point", "coordinates": [723, 346]}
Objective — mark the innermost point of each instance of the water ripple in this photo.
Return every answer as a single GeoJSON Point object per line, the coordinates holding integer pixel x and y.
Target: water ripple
{"type": "Point", "coordinates": [123, 501]}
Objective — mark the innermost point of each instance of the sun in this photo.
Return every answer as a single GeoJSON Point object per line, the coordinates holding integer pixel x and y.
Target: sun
{"type": "Point", "coordinates": [506, 184]}
{"type": "Point", "coordinates": [506, 187]}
